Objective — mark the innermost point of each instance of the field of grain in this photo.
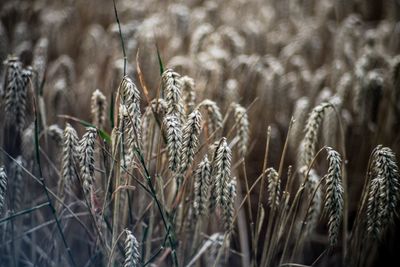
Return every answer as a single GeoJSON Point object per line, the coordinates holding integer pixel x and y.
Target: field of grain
{"type": "Point", "coordinates": [199, 133]}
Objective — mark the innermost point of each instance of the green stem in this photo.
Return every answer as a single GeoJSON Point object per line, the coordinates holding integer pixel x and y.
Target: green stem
{"type": "Point", "coordinates": [167, 226]}
{"type": "Point", "coordinates": [44, 187]}
{"type": "Point", "coordinates": [22, 212]}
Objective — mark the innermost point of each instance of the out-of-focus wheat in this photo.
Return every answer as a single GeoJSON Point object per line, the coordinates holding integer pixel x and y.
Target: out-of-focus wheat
{"type": "Point", "coordinates": [242, 124]}
{"type": "Point", "coordinates": [98, 108]}
{"type": "Point", "coordinates": [309, 142]}
{"type": "Point", "coordinates": [16, 90]}
{"type": "Point", "coordinates": [214, 115]}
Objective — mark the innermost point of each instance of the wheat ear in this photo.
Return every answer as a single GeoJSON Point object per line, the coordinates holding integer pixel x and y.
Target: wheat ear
{"type": "Point", "coordinates": [201, 187]}
{"type": "Point", "coordinates": [374, 204]}
{"type": "Point", "coordinates": [174, 141]}
{"type": "Point", "coordinates": [309, 142]}
{"type": "Point", "coordinates": [214, 115]}
{"type": "Point", "coordinates": [198, 37]}
{"type": "Point", "coordinates": [300, 116]}
{"type": "Point", "coordinates": [273, 188]}
{"type": "Point", "coordinates": [86, 151]}
{"type": "Point", "coordinates": [132, 256]}
{"type": "Point", "coordinates": [383, 195]}
{"type": "Point", "coordinates": [3, 186]}
{"type": "Point", "coordinates": [229, 205]}
{"type": "Point", "coordinates": [221, 168]}
{"type": "Point", "coordinates": [16, 89]}
{"type": "Point", "coordinates": [56, 133]}
{"type": "Point", "coordinates": [334, 195]}
{"type": "Point", "coordinates": [131, 115]}
{"type": "Point", "coordinates": [69, 155]}
{"type": "Point", "coordinates": [40, 61]}
{"type": "Point", "coordinates": [188, 93]}
{"type": "Point", "coordinates": [242, 124]}
{"type": "Point", "coordinates": [98, 108]}
{"type": "Point", "coordinates": [171, 85]}
{"type": "Point", "coordinates": [191, 132]}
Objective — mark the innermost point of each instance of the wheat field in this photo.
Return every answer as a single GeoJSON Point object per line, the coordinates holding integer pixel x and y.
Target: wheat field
{"type": "Point", "coordinates": [199, 133]}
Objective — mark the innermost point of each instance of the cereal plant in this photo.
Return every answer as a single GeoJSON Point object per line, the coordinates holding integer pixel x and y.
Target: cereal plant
{"type": "Point", "coordinates": [199, 133]}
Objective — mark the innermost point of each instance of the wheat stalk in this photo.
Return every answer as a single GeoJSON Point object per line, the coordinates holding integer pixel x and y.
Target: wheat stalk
{"type": "Point", "coordinates": [157, 107]}
{"type": "Point", "coordinates": [315, 192]}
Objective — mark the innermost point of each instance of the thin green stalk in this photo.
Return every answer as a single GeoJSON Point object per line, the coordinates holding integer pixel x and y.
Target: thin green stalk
{"type": "Point", "coordinates": [160, 249]}
{"type": "Point", "coordinates": [303, 223]}
{"type": "Point", "coordinates": [48, 190]}
{"type": "Point", "coordinates": [22, 212]}
{"type": "Point", "coordinates": [167, 226]}
{"type": "Point", "coordinates": [294, 209]}
{"type": "Point", "coordinates": [260, 198]}
{"type": "Point", "coordinates": [44, 187]}
{"type": "Point", "coordinates": [115, 221]}
{"type": "Point", "coordinates": [120, 36]}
